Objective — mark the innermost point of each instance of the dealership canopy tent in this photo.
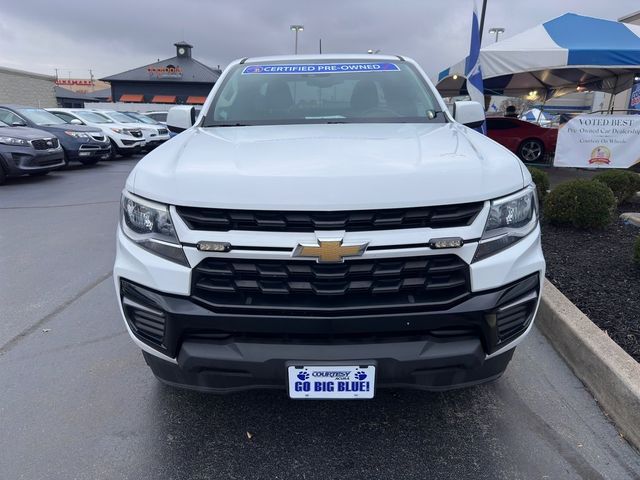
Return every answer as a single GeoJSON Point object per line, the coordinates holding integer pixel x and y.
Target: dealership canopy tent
{"type": "Point", "coordinates": [567, 54]}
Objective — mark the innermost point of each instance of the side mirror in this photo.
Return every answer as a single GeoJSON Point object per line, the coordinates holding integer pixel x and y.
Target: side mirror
{"type": "Point", "coordinates": [180, 118]}
{"type": "Point", "coordinates": [18, 123]}
{"type": "Point", "coordinates": [470, 114]}
{"type": "Point", "coordinates": [75, 121]}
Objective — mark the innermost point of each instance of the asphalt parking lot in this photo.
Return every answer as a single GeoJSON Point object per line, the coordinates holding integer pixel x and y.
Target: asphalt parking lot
{"type": "Point", "coordinates": [78, 402]}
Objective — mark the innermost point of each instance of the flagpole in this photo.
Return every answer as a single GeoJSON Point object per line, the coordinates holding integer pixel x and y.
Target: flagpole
{"type": "Point", "coordinates": [484, 11]}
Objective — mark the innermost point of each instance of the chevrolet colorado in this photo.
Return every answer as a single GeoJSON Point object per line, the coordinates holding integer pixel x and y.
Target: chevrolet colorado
{"type": "Point", "coordinates": [327, 226]}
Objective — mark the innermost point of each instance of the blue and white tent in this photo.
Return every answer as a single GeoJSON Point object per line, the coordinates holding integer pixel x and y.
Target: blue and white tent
{"type": "Point", "coordinates": [569, 53]}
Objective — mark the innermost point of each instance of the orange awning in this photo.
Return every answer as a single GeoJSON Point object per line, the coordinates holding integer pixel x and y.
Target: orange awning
{"type": "Point", "coordinates": [196, 100]}
{"type": "Point", "coordinates": [163, 99]}
{"type": "Point", "coordinates": [132, 97]}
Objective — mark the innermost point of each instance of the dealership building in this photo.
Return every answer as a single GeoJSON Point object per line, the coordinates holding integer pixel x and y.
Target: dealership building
{"type": "Point", "coordinates": [27, 88]}
{"type": "Point", "coordinates": [177, 80]}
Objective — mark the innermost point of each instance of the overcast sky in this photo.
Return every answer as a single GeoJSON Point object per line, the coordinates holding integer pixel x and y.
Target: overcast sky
{"type": "Point", "coordinates": [41, 35]}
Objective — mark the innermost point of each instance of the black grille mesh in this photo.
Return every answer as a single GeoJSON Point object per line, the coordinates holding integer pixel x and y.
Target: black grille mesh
{"type": "Point", "coordinates": [310, 288]}
{"type": "Point", "coordinates": [513, 320]}
{"type": "Point", "coordinates": [353, 221]}
{"type": "Point", "coordinates": [42, 144]}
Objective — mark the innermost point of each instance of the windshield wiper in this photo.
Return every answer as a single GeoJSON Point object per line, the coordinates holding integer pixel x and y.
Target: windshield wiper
{"type": "Point", "coordinates": [229, 125]}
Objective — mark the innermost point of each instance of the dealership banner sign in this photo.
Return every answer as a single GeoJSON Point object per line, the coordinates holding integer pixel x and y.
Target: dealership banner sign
{"type": "Point", "coordinates": [599, 141]}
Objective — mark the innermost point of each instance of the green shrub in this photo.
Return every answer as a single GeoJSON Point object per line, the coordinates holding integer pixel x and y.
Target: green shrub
{"type": "Point", "coordinates": [623, 183]}
{"type": "Point", "coordinates": [541, 179]}
{"type": "Point", "coordinates": [580, 203]}
{"type": "Point", "coordinates": [636, 251]}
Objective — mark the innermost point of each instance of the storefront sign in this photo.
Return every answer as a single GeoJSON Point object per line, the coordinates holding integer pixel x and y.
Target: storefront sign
{"type": "Point", "coordinates": [599, 141]}
{"type": "Point", "coordinates": [165, 72]}
{"type": "Point", "coordinates": [74, 81]}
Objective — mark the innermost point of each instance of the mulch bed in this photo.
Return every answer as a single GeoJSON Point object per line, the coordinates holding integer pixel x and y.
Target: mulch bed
{"type": "Point", "coordinates": [595, 270]}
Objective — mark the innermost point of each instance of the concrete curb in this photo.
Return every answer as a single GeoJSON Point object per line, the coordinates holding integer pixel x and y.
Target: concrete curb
{"type": "Point", "coordinates": [612, 376]}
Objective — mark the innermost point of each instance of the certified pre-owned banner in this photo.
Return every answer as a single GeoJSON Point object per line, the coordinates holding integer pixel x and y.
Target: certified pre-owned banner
{"type": "Point", "coordinates": [599, 141]}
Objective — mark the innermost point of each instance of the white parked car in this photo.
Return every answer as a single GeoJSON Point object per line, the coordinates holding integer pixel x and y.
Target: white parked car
{"type": "Point", "coordinates": [125, 141]}
{"type": "Point", "coordinates": [327, 227]}
{"type": "Point", "coordinates": [159, 116]}
{"type": "Point", "coordinates": [154, 135]}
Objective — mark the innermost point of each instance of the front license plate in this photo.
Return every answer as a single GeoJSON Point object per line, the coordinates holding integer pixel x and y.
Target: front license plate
{"type": "Point", "coordinates": [331, 381]}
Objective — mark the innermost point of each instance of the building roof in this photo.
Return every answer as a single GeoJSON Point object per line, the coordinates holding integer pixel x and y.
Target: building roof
{"type": "Point", "coordinates": [71, 95]}
{"type": "Point", "coordinates": [27, 74]}
{"type": "Point", "coordinates": [102, 93]}
{"type": "Point", "coordinates": [191, 71]}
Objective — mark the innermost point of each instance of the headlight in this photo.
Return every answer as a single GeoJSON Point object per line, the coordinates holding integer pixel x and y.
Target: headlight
{"type": "Point", "coordinates": [14, 141]}
{"type": "Point", "coordinates": [73, 134]}
{"type": "Point", "coordinates": [149, 225]}
{"type": "Point", "coordinates": [510, 219]}
{"type": "Point", "coordinates": [118, 130]}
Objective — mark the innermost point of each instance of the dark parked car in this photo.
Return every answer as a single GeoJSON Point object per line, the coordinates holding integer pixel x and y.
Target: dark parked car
{"type": "Point", "coordinates": [86, 145]}
{"type": "Point", "coordinates": [29, 151]}
{"type": "Point", "coordinates": [529, 141]}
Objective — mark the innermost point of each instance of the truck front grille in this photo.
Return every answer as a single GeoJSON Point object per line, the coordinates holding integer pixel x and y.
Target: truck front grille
{"type": "Point", "coordinates": [290, 287]}
{"type": "Point", "coordinates": [220, 220]}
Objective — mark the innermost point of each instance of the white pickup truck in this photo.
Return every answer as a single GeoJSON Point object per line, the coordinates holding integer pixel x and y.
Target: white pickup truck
{"type": "Point", "coordinates": [328, 227]}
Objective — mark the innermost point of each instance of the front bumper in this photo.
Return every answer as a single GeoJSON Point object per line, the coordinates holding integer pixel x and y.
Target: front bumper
{"type": "Point", "coordinates": [421, 365]}
{"type": "Point", "coordinates": [126, 142]}
{"type": "Point", "coordinates": [24, 160]}
{"type": "Point", "coordinates": [429, 350]}
{"type": "Point", "coordinates": [202, 347]}
{"type": "Point", "coordinates": [156, 141]}
{"type": "Point", "coordinates": [90, 150]}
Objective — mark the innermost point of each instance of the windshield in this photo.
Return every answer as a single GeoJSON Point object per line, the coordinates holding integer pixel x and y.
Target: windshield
{"type": "Point", "coordinates": [92, 117]}
{"type": "Point", "coordinates": [301, 93]}
{"type": "Point", "coordinates": [142, 118]}
{"type": "Point", "coordinates": [121, 117]}
{"type": "Point", "coordinates": [2, 124]}
{"type": "Point", "coordinates": [41, 117]}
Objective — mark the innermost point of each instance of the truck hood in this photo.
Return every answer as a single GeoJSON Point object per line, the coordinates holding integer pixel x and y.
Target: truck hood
{"type": "Point", "coordinates": [327, 167]}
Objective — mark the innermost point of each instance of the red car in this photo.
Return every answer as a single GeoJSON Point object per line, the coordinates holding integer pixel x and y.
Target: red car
{"type": "Point", "coordinates": [529, 141]}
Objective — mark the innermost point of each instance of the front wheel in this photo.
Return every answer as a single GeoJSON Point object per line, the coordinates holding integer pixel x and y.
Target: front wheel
{"type": "Point", "coordinates": [114, 150]}
{"type": "Point", "coordinates": [531, 151]}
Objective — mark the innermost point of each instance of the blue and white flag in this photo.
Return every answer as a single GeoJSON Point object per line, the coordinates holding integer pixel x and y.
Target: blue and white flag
{"type": "Point", "coordinates": [473, 69]}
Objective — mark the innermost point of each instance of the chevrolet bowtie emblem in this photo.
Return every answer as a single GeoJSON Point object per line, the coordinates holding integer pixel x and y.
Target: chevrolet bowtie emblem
{"type": "Point", "coordinates": [330, 251]}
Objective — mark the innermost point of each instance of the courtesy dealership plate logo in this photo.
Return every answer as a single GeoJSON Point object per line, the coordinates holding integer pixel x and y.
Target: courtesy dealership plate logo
{"type": "Point", "coordinates": [330, 251]}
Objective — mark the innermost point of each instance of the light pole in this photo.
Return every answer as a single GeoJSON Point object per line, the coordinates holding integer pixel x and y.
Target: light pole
{"type": "Point", "coordinates": [497, 31]}
{"type": "Point", "coordinates": [297, 28]}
